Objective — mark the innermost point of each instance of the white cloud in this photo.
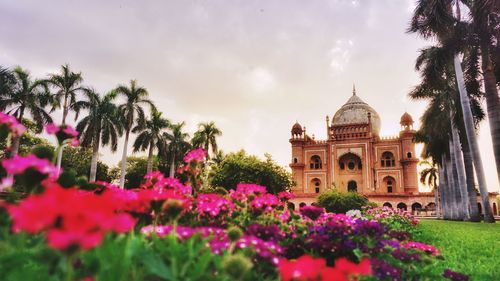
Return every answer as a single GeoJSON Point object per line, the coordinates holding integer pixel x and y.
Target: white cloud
{"type": "Point", "coordinates": [340, 55]}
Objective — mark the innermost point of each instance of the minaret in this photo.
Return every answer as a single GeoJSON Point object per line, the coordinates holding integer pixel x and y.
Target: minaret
{"type": "Point", "coordinates": [353, 89]}
{"type": "Point", "coordinates": [409, 159]}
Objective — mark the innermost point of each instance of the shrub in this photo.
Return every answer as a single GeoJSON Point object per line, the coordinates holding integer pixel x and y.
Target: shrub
{"type": "Point", "coordinates": [340, 202]}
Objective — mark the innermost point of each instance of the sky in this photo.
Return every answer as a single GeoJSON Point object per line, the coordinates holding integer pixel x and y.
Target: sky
{"type": "Point", "coordinates": [252, 66]}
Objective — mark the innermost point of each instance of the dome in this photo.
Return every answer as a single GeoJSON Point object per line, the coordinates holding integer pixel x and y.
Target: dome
{"type": "Point", "coordinates": [355, 111]}
{"type": "Point", "coordinates": [297, 128]}
{"type": "Point", "coordinates": [406, 119]}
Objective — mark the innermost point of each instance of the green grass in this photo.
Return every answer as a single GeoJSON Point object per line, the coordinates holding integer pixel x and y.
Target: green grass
{"type": "Point", "coordinates": [470, 248]}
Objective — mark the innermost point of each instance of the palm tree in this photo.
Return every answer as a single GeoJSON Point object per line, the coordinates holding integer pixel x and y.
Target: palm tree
{"type": "Point", "coordinates": [101, 125]}
{"type": "Point", "coordinates": [151, 136]}
{"type": "Point", "coordinates": [434, 19]}
{"type": "Point", "coordinates": [178, 145]}
{"type": "Point", "coordinates": [429, 176]}
{"type": "Point", "coordinates": [131, 111]}
{"type": "Point", "coordinates": [67, 85]}
{"type": "Point", "coordinates": [24, 96]}
{"type": "Point", "coordinates": [206, 137]}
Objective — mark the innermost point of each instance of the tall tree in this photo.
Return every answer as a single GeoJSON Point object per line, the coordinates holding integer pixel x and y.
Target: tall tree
{"type": "Point", "coordinates": [151, 135]}
{"type": "Point", "coordinates": [206, 137]}
{"type": "Point", "coordinates": [102, 125]}
{"type": "Point", "coordinates": [429, 176]}
{"type": "Point", "coordinates": [67, 85]}
{"type": "Point", "coordinates": [178, 145]}
{"type": "Point", "coordinates": [22, 96]}
{"type": "Point", "coordinates": [132, 112]}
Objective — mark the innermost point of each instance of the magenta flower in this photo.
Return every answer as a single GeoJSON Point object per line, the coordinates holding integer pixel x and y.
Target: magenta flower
{"type": "Point", "coordinates": [421, 246]}
{"type": "Point", "coordinates": [264, 203]}
{"type": "Point", "coordinates": [70, 131]}
{"type": "Point", "coordinates": [51, 129]}
{"type": "Point", "coordinates": [19, 164]}
{"type": "Point", "coordinates": [196, 155]}
{"type": "Point", "coordinates": [16, 128]}
{"type": "Point", "coordinates": [212, 205]}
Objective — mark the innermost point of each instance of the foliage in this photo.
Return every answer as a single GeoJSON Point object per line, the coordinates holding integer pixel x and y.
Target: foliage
{"type": "Point", "coordinates": [240, 167]}
{"type": "Point", "coordinates": [471, 248]}
{"type": "Point", "coordinates": [394, 219]}
{"type": "Point", "coordinates": [136, 170]}
{"type": "Point", "coordinates": [163, 230]}
{"type": "Point", "coordinates": [340, 202]}
{"type": "Point", "coordinates": [78, 159]}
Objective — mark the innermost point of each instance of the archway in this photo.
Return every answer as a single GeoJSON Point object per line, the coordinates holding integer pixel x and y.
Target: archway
{"type": "Point", "coordinates": [387, 204]}
{"type": "Point", "coordinates": [495, 211]}
{"type": "Point", "coordinates": [431, 206]}
{"type": "Point", "coordinates": [480, 208]}
{"type": "Point", "coordinates": [302, 204]}
{"type": "Point", "coordinates": [352, 186]}
{"type": "Point", "coordinates": [351, 163]}
{"type": "Point", "coordinates": [402, 206]}
{"type": "Point", "coordinates": [387, 159]}
{"type": "Point", "coordinates": [315, 162]}
{"type": "Point", "coordinates": [389, 184]}
{"type": "Point", "coordinates": [416, 207]}
{"type": "Point", "coordinates": [316, 184]}
{"type": "Point", "coordinates": [291, 206]}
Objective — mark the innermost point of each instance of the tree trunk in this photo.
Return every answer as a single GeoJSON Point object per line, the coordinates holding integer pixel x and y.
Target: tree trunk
{"type": "Point", "coordinates": [492, 103]}
{"type": "Point", "coordinates": [150, 158]}
{"type": "Point", "coordinates": [17, 140]}
{"type": "Point", "coordinates": [124, 160]}
{"type": "Point", "coordinates": [471, 189]}
{"type": "Point", "coordinates": [443, 189]}
{"type": "Point", "coordinates": [95, 156]}
{"type": "Point", "coordinates": [452, 186]}
{"type": "Point", "coordinates": [437, 191]}
{"type": "Point", "coordinates": [65, 110]}
{"type": "Point", "coordinates": [473, 145]}
{"type": "Point", "coordinates": [459, 162]}
{"type": "Point", "coordinates": [172, 166]}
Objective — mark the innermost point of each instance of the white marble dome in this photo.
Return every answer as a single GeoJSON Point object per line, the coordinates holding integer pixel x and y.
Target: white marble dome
{"type": "Point", "coordinates": [355, 111]}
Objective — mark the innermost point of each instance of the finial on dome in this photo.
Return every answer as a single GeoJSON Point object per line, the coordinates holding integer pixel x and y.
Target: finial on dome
{"type": "Point", "coordinates": [353, 89]}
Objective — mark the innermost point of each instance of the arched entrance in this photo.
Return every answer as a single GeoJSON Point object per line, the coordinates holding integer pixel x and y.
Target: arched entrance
{"type": "Point", "coordinates": [402, 206]}
{"type": "Point", "coordinates": [495, 211]}
{"type": "Point", "coordinates": [416, 207]}
{"type": "Point", "coordinates": [352, 186]}
{"type": "Point", "coordinates": [387, 204]}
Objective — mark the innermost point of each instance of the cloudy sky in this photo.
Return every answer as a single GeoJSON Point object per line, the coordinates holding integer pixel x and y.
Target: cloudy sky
{"type": "Point", "coordinates": [254, 67]}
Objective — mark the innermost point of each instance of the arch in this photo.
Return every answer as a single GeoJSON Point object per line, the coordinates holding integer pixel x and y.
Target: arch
{"type": "Point", "coordinates": [350, 162]}
{"type": "Point", "coordinates": [316, 183]}
{"type": "Point", "coordinates": [402, 205]}
{"type": "Point", "coordinates": [480, 208]}
{"type": "Point", "coordinates": [315, 162]}
{"type": "Point", "coordinates": [416, 207]}
{"type": "Point", "coordinates": [387, 204]}
{"type": "Point", "coordinates": [295, 160]}
{"type": "Point", "coordinates": [291, 206]}
{"type": "Point", "coordinates": [408, 155]}
{"type": "Point", "coordinates": [389, 184]}
{"type": "Point", "coordinates": [431, 206]}
{"type": "Point", "coordinates": [302, 204]}
{"type": "Point", "coordinates": [495, 211]}
{"type": "Point", "coordinates": [387, 159]}
{"type": "Point", "coordinates": [352, 186]}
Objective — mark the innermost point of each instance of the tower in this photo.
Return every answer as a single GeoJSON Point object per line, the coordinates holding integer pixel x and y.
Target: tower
{"type": "Point", "coordinates": [297, 140]}
{"type": "Point", "coordinates": [409, 160]}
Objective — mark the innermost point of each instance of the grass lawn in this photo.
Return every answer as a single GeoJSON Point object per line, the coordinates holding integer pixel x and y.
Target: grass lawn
{"type": "Point", "coordinates": [471, 248]}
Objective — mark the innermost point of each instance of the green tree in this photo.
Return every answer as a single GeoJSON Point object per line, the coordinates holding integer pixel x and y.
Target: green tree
{"type": "Point", "coordinates": [454, 36]}
{"type": "Point", "coordinates": [102, 125]}
{"type": "Point", "coordinates": [151, 135]}
{"type": "Point", "coordinates": [79, 160]}
{"type": "Point", "coordinates": [206, 137]}
{"type": "Point", "coordinates": [340, 202]}
{"type": "Point", "coordinates": [240, 167]}
{"type": "Point", "coordinates": [132, 112]}
{"type": "Point", "coordinates": [27, 141]}
{"type": "Point", "coordinates": [67, 86]}
{"type": "Point", "coordinates": [24, 96]}
{"type": "Point", "coordinates": [136, 170]}
{"type": "Point", "coordinates": [178, 145]}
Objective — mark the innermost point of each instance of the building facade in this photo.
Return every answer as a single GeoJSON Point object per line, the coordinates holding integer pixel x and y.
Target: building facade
{"type": "Point", "coordinates": [354, 157]}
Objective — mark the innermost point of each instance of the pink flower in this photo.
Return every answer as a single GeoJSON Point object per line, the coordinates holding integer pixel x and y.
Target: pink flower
{"type": "Point", "coordinates": [285, 195]}
{"type": "Point", "coordinates": [19, 164]}
{"type": "Point", "coordinates": [423, 247]}
{"type": "Point", "coordinates": [74, 142]}
{"type": "Point", "coordinates": [51, 128]}
{"type": "Point", "coordinates": [213, 205]}
{"type": "Point", "coordinates": [197, 155]}
{"type": "Point", "coordinates": [16, 128]}
{"type": "Point", "coordinates": [264, 203]}
{"type": "Point", "coordinates": [70, 131]}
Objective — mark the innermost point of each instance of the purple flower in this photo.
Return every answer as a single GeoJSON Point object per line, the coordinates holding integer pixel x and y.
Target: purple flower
{"type": "Point", "coordinates": [405, 256]}
{"type": "Point", "coordinates": [455, 276]}
{"type": "Point", "coordinates": [266, 233]}
{"type": "Point", "coordinates": [369, 228]}
{"type": "Point", "coordinates": [385, 271]}
{"type": "Point", "coordinates": [311, 212]}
